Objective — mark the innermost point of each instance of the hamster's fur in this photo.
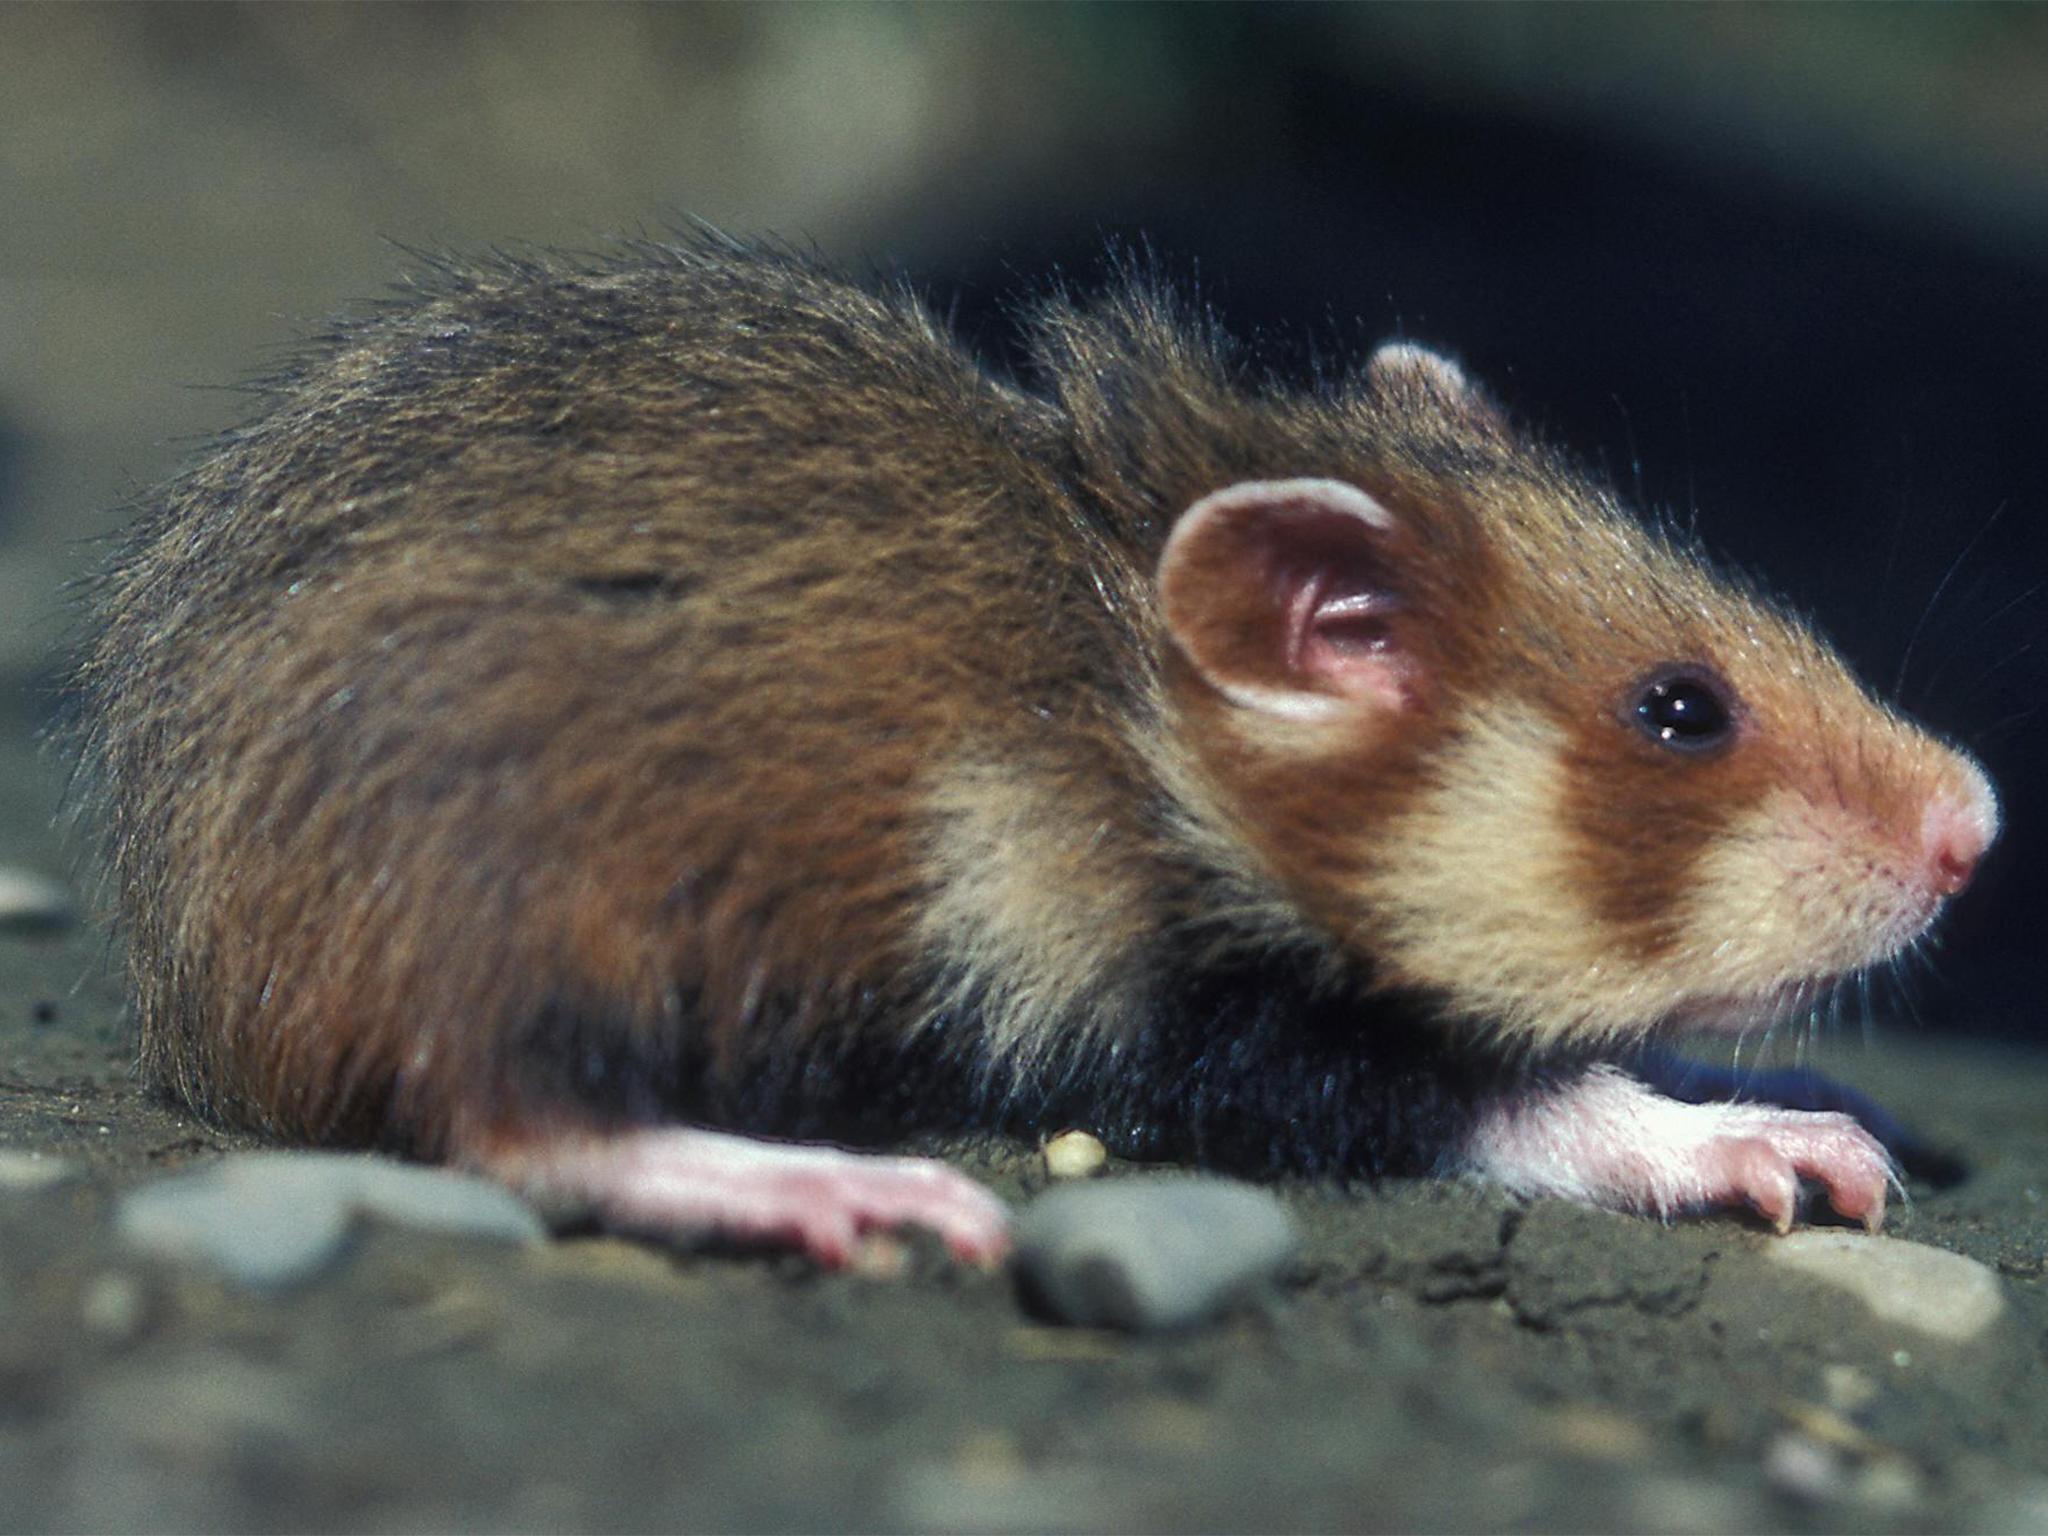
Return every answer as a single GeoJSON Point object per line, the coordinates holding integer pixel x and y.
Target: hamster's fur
{"type": "Point", "coordinates": [683, 688]}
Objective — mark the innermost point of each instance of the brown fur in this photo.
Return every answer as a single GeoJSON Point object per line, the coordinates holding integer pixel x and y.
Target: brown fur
{"type": "Point", "coordinates": [663, 647]}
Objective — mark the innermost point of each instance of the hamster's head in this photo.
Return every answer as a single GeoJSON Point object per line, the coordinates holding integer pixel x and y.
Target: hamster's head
{"type": "Point", "coordinates": [1447, 702]}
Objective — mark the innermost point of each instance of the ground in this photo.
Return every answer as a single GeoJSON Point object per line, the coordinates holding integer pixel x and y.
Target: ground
{"type": "Point", "coordinates": [1439, 1358]}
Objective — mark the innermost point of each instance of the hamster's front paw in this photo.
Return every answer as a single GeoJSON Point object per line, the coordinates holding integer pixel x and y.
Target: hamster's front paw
{"type": "Point", "coordinates": [1606, 1139]}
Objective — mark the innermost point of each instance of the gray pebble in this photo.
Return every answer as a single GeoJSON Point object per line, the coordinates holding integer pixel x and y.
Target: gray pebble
{"type": "Point", "coordinates": [32, 903]}
{"type": "Point", "coordinates": [1803, 1468]}
{"type": "Point", "coordinates": [1146, 1254]}
{"type": "Point", "coordinates": [115, 1307]}
{"type": "Point", "coordinates": [1930, 1290]}
{"type": "Point", "coordinates": [269, 1219]}
{"type": "Point", "coordinates": [30, 1170]}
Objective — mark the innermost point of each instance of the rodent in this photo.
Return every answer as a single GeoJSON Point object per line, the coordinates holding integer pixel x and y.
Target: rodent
{"type": "Point", "coordinates": [600, 710]}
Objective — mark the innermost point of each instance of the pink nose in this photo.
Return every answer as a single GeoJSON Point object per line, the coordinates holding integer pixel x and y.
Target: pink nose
{"type": "Point", "coordinates": [1954, 833]}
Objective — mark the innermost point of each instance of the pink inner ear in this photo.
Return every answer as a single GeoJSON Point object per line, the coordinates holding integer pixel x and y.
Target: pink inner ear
{"type": "Point", "coordinates": [1285, 596]}
{"type": "Point", "coordinates": [1340, 639]}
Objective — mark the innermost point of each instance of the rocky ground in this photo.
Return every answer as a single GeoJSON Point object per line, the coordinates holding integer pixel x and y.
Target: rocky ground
{"type": "Point", "coordinates": [1435, 1358]}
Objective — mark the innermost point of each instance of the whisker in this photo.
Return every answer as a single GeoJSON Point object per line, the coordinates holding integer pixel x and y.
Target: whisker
{"type": "Point", "coordinates": [1955, 565]}
{"type": "Point", "coordinates": [1983, 678]}
{"type": "Point", "coordinates": [2018, 717]}
{"type": "Point", "coordinates": [1763, 1046]}
{"type": "Point", "coordinates": [1983, 624]}
{"type": "Point", "coordinates": [1635, 459]}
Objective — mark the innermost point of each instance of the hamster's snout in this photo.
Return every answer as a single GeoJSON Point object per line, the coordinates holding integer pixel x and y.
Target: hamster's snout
{"type": "Point", "coordinates": [1956, 829]}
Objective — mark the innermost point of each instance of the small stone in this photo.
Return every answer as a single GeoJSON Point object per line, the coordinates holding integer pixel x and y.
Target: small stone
{"type": "Point", "coordinates": [32, 903]}
{"type": "Point", "coordinates": [257, 1237]}
{"type": "Point", "coordinates": [1149, 1254]}
{"type": "Point", "coordinates": [1595, 1434]}
{"type": "Point", "coordinates": [1846, 1389]}
{"type": "Point", "coordinates": [1829, 1428]}
{"type": "Point", "coordinates": [114, 1307]}
{"type": "Point", "coordinates": [30, 1171]}
{"type": "Point", "coordinates": [1929, 1290]}
{"type": "Point", "coordinates": [1889, 1483]}
{"type": "Point", "coordinates": [1075, 1155]}
{"type": "Point", "coordinates": [268, 1219]}
{"type": "Point", "coordinates": [1804, 1468]}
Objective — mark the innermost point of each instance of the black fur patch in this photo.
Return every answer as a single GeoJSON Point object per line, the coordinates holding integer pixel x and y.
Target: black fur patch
{"type": "Point", "coordinates": [1248, 1071]}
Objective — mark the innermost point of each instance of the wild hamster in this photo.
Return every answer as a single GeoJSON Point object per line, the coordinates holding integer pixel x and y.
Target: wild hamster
{"type": "Point", "coordinates": [599, 707]}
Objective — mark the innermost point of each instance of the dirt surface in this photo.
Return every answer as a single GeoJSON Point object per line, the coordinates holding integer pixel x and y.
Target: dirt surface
{"type": "Point", "coordinates": [1439, 1358]}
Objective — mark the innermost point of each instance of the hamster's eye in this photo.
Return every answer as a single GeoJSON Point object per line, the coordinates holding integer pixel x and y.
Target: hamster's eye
{"type": "Point", "coordinates": [1685, 711]}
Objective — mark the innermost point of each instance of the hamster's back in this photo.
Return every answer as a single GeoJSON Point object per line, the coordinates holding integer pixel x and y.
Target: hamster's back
{"type": "Point", "coordinates": [541, 686]}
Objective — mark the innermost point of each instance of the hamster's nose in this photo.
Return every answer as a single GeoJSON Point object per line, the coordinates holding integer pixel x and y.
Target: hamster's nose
{"type": "Point", "coordinates": [1955, 830]}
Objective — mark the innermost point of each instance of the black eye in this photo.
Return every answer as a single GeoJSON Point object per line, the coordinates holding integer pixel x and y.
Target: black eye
{"type": "Point", "coordinates": [1685, 711]}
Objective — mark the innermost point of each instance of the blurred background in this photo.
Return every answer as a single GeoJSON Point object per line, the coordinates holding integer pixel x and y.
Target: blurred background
{"type": "Point", "coordinates": [1782, 268]}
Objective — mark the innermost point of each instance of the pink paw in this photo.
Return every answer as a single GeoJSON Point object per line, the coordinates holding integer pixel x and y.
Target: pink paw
{"type": "Point", "coordinates": [1607, 1139]}
{"type": "Point", "coordinates": [820, 1201]}
{"type": "Point", "coordinates": [1761, 1166]}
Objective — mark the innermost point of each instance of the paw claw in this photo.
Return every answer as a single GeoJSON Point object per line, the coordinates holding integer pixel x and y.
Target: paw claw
{"type": "Point", "coordinates": [1846, 1160]}
{"type": "Point", "coordinates": [1760, 1176]}
{"type": "Point", "coordinates": [1789, 1145]}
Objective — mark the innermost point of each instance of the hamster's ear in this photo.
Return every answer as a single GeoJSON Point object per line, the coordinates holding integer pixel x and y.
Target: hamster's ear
{"type": "Point", "coordinates": [1281, 593]}
{"type": "Point", "coordinates": [1400, 370]}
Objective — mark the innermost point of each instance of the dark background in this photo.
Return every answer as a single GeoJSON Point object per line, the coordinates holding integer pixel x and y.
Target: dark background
{"type": "Point", "coordinates": [1781, 268]}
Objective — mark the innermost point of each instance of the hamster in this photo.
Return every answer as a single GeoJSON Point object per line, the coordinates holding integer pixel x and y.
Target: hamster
{"type": "Point", "coordinates": [603, 713]}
